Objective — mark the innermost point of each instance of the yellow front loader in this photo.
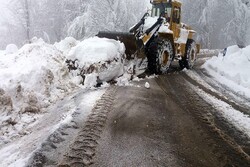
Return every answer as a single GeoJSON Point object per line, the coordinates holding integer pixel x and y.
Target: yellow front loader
{"type": "Point", "coordinates": [160, 37]}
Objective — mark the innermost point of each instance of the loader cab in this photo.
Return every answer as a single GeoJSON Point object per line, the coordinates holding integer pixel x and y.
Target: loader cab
{"type": "Point", "coordinates": [169, 9]}
{"type": "Point", "coordinates": [161, 9]}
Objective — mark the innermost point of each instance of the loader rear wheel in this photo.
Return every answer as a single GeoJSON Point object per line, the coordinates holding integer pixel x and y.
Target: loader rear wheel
{"type": "Point", "coordinates": [190, 55]}
{"type": "Point", "coordinates": [160, 56]}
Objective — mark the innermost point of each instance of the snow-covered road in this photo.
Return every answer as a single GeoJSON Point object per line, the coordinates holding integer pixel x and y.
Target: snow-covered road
{"type": "Point", "coordinates": [62, 120]}
{"type": "Point", "coordinates": [178, 119]}
{"type": "Point", "coordinates": [173, 124]}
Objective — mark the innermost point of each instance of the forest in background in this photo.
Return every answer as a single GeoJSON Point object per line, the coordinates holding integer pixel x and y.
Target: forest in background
{"type": "Point", "coordinates": [218, 23]}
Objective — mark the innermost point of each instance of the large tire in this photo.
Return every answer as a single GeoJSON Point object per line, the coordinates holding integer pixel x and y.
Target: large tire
{"type": "Point", "coordinates": [160, 55]}
{"type": "Point", "coordinates": [190, 55]}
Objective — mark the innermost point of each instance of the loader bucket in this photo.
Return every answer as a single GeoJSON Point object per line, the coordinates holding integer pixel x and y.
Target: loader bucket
{"type": "Point", "coordinates": [131, 44]}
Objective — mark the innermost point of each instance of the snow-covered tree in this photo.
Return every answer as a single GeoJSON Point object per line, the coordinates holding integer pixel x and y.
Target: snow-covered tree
{"type": "Point", "coordinates": [54, 17]}
{"type": "Point", "coordinates": [218, 23]}
{"type": "Point", "coordinates": [21, 12]}
{"type": "Point", "coordinates": [107, 15]}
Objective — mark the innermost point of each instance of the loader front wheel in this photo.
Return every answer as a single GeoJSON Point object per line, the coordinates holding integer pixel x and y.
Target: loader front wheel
{"type": "Point", "coordinates": [190, 55]}
{"type": "Point", "coordinates": [160, 56]}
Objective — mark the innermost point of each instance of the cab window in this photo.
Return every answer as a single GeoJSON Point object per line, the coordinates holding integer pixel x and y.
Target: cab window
{"type": "Point", "coordinates": [161, 8]}
{"type": "Point", "coordinates": [176, 15]}
{"type": "Point", "coordinates": [156, 12]}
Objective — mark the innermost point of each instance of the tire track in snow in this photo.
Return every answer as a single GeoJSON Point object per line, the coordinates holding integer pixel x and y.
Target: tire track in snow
{"type": "Point", "coordinates": [205, 113]}
{"type": "Point", "coordinates": [222, 98]}
{"type": "Point", "coordinates": [82, 150]}
{"type": "Point", "coordinates": [62, 124]}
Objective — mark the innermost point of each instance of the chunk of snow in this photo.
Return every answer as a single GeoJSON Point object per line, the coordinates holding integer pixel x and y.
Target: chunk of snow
{"type": "Point", "coordinates": [94, 50]}
{"type": "Point", "coordinates": [152, 76]}
{"type": "Point", "coordinates": [123, 81]}
{"type": "Point", "coordinates": [66, 45]}
{"type": "Point", "coordinates": [11, 48]}
{"type": "Point", "coordinates": [90, 80]}
{"type": "Point", "coordinates": [102, 56]}
{"type": "Point", "coordinates": [137, 79]}
{"type": "Point", "coordinates": [147, 85]}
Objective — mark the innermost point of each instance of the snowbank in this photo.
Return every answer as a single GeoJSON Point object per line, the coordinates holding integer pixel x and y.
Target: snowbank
{"type": "Point", "coordinates": [39, 74]}
{"type": "Point", "coordinates": [32, 78]}
{"type": "Point", "coordinates": [97, 60]}
{"type": "Point", "coordinates": [232, 69]}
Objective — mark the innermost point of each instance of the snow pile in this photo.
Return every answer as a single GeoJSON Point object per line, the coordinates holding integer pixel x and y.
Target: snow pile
{"type": "Point", "coordinates": [231, 68]}
{"type": "Point", "coordinates": [39, 74]}
{"type": "Point", "coordinates": [97, 60]}
{"type": "Point", "coordinates": [31, 79]}
{"type": "Point", "coordinates": [66, 44]}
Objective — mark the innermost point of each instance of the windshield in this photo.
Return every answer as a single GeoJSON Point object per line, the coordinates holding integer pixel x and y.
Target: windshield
{"type": "Point", "coordinates": [161, 8]}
